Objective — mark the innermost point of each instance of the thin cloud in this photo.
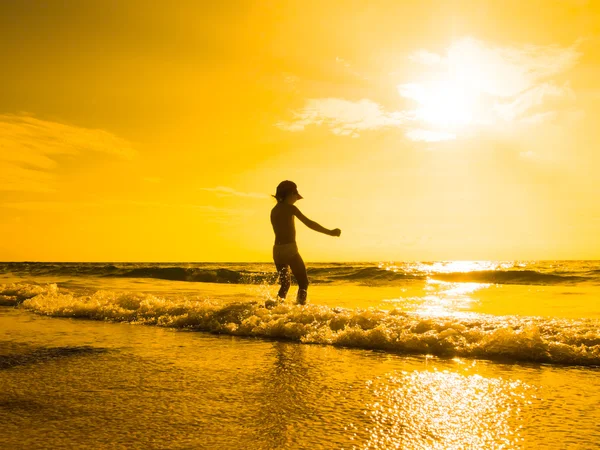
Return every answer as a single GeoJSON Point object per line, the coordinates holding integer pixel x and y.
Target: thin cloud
{"type": "Point", "coordinates": [539, 118]}
{"type": "Point", "coordinates": [521, 106]}
{"type": "Point", "coordinates": [425, 57]}
{"type": "Point", "coordinates": [29, 146]}
{"type": "Point", "coordinates": [343, 117]}
{"type": "Point", "coordinates": [224, 191]}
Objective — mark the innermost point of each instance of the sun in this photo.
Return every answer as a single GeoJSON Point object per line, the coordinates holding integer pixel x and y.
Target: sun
{"type": "Point", "coordinates": [454, 92]}
{"type": "Point", "coordinates": [445, 103]}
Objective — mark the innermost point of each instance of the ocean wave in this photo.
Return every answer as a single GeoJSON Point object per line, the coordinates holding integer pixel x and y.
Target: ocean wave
{"type": "Point", "coordinates": [509, 338]}
{"type": "Point", "coordinates": [366, 274]}
{"type": "Point", "coordinates": [509, 277]}
{"type": "Point", "coordinates": [195, 274]}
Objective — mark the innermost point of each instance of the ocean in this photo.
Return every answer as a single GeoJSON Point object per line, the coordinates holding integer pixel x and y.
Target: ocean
{"type": "Point", "coordinates": [412, 355]}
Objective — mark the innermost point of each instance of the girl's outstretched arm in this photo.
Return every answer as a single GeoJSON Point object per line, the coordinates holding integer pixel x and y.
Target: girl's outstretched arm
{"type": "Point", "coordinates": [314, 225]}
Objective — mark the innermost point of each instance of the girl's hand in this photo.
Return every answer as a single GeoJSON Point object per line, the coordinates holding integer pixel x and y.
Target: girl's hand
{"type": "Point", "coordinates": [337, 232]}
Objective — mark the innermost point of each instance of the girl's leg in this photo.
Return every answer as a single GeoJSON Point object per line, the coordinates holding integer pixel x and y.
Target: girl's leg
{"type": "Point", "coordinates": [285, 279]}
{"type": "Point", "coordinates": [299, 271]}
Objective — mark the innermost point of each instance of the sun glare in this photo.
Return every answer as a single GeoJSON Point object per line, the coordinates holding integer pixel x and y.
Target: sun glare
{"type": "Point", "coordinates": [446, 103]}
{"type": "Point", "coordinates": [453, 93]}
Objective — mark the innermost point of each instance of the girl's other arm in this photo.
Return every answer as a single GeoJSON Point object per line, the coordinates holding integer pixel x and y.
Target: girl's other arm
{"type": "Point", "coordinates": [314, 225]}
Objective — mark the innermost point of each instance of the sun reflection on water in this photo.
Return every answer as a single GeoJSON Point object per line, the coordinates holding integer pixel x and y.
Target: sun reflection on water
{"type": "Point", "coordinates": [446, 410]}
{"type": "Point", "coordinates": [429, 268]}
{"type": "Point", "coordinates": [442, 299]}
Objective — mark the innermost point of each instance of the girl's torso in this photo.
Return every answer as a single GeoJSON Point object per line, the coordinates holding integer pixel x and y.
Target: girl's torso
{"type": "Point", "coordinates": [282, 220]}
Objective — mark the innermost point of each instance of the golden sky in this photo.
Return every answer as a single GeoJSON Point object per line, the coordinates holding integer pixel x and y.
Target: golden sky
{"type": "Point", "coordinates": [156, 131]}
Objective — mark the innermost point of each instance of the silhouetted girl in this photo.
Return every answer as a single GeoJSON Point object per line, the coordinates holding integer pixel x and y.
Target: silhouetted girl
{"type": "Point", "coordinates": [285, 250]}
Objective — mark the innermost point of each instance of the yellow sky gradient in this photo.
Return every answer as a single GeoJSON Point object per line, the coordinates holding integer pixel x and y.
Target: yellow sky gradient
{"type": "Point", "coordinates": [156, 131]}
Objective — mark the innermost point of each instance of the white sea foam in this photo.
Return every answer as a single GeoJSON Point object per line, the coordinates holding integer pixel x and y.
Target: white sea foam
{"type": "Point", "coordinates": [14, 293]}
{"type": "Point", "coordinates": [532, 339]}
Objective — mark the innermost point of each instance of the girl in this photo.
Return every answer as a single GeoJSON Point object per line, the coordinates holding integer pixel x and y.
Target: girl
{"type": "Point", "coordinates": [285, 250]}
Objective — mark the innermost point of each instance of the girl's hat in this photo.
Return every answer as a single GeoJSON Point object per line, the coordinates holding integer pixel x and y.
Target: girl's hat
{"type": "Point", "coordinates": [285, 188]}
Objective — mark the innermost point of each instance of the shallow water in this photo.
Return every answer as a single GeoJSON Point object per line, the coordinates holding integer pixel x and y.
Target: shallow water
{"type": "Point", "coordinates": [416, 364]}
{"type": "Point", "coordinates": [149, 387]}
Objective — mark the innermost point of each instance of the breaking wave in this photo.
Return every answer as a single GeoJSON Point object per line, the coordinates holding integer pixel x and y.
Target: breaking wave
{"type": "Point", "coordinates": [508, 338]}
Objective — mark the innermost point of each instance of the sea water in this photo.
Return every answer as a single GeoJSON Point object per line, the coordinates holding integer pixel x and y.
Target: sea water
{"type": "Point", "coordinates": [385, 355]}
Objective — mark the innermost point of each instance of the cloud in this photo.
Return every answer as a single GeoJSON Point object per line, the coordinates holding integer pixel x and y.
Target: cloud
{"type": "Point", "coordinates": [425, 57]}
{"type": "Point", "coordinates": [224, 191]}
{"type": "Point", "coordinates": [522, 105]}
{"type": "Point", "coordinates": [343, 117]}
{"type": "Point", "coordinates": [470, 85]}
{"type": "Point", "coordinates": [28, 147]}
{"type": "Point", "coordinates": [539, 118]}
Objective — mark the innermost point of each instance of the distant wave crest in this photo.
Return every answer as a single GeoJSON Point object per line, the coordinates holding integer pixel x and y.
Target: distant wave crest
{"type": "Point", "coordinates": [509, 277]}
{"type": "Point", "coordinates": [512, 338]}
{"type": "Point", "coordinates": [319, 274]}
